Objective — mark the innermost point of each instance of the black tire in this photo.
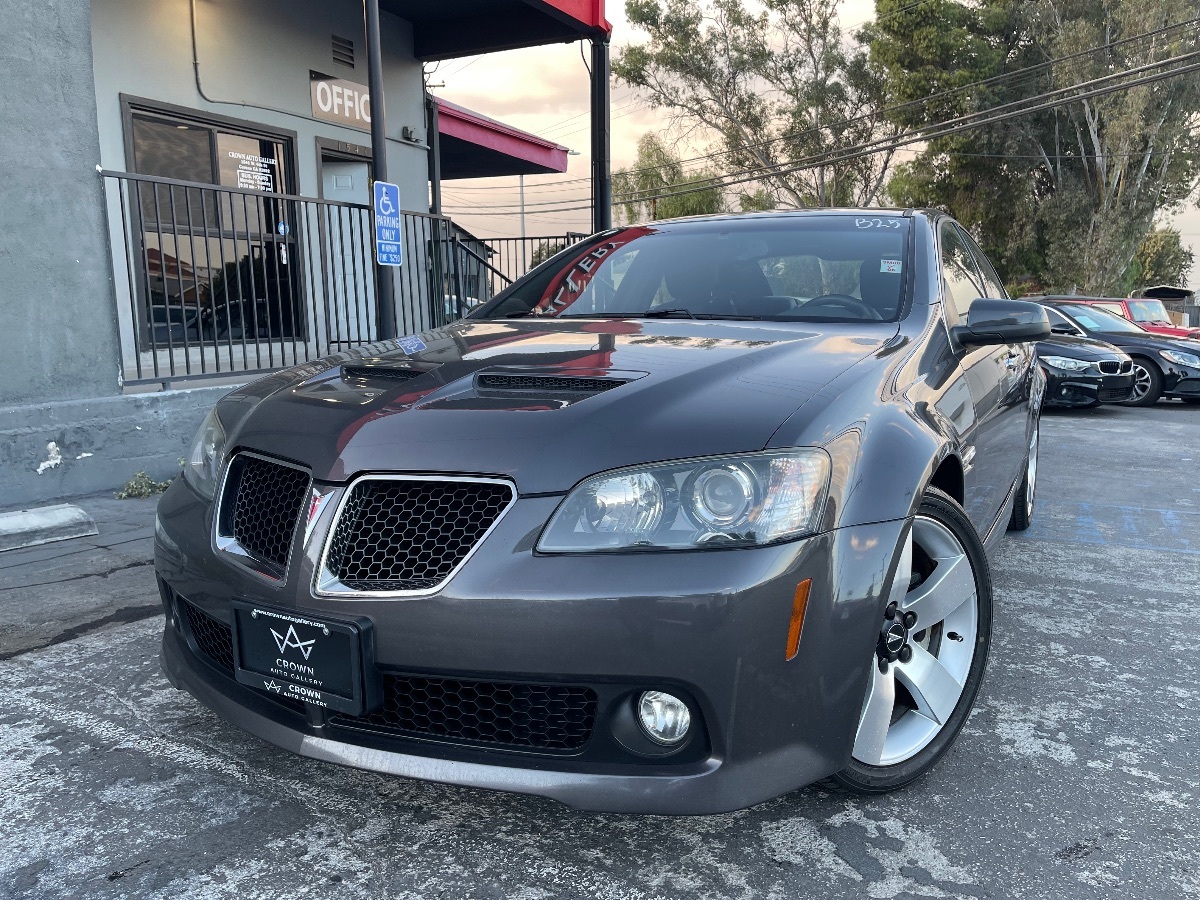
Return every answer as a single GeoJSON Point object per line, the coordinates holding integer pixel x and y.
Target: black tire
{"type": "Point", "coordinates": [861, 778]}
{"type": "Point", "coordinates": [1026, 494]}
{"type": "Point", "coordinates": [1148, 377]}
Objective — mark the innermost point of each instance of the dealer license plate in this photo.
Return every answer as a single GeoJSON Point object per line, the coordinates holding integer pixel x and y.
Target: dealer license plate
{"type": "Point", "coordinates": [303, 657]}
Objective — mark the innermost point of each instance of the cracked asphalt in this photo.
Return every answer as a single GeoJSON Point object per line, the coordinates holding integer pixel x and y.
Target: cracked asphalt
{"type": "Point", "coordinates": [1075, 776]}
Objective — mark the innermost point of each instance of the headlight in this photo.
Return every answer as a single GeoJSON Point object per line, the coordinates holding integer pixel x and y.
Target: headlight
{"type": "Point", "coordinates": [1182, 359]}
{"type": "Point", "coordinates": [204, 460]}
{"type": "Point", "coordinates": [1066, 364]}
{"type": "Point", "coordinates": [730, 501]}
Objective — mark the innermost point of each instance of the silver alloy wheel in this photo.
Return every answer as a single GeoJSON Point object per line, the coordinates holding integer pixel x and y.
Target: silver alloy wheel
{"type": "Point", "coordinates": [908, 704]}
{"type": "Point", "coordinates": [1142, 381]}
{"type": "Point", "coordinates": [1031, 469]}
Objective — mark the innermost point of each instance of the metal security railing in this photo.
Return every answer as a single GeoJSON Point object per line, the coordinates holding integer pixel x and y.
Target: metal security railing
{"type": "Point", "coordinates": [515, 256]}
{"type": "Point", "coordinates": [222, 282]}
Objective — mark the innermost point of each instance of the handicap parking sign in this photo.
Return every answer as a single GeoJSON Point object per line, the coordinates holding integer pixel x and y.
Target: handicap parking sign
{"type": "Point", "coordinates": [388, 246]}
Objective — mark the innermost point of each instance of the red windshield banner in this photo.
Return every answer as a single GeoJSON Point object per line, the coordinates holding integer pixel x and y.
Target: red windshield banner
{"type": "Point", "coordinates": [569, 285]}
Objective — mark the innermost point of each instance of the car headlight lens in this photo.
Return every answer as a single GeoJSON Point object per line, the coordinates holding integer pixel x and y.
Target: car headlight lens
{"type": "Point", "coordinates": [203, 464]}
{"type": "Point", "coordinates": [1182, 359]}
{"type": "Point", "coordinates": [734, 501]}
{"type": "Point", "coordinates": [1067, 364]}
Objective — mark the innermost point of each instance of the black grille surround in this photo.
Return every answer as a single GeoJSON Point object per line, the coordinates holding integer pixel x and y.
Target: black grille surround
{"type": "Point", "coordinates": [550, 718]}
{"type": "Point", "coordinates": [261, 505]}
{"type": "Point", "coordinates": [403, 535]}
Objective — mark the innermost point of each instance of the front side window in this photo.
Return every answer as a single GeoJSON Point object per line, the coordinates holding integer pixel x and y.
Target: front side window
{"type": "Point", "coordinates": [992, 285]}
{"type": "Point", "coordinates": [813, 268]}
{"type": "Point", "coordinates": [963, 284]}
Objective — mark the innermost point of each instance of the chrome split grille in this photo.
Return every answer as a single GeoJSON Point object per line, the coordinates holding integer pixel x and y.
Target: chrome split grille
{"type": "Point", "coordinates": [261, 505]}
{"type": "Point", "coordinates": [405, 534]}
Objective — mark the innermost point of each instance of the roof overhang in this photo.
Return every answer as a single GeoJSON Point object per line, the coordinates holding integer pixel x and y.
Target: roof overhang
{"type": "Point", "coordinates": [452, 28]}
{"type": "Point", "coordinates": [474, 146]}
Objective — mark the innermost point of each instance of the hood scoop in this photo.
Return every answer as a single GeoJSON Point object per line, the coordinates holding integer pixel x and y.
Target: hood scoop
{"type": "Point", "coordinates": [383, 372]}
{"type": "Point", "coordinates": [575, 386]}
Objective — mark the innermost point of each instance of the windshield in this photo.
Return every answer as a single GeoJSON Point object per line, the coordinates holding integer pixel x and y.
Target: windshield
{"type": "Point", "coordinates": [1095, 319]}
{"type": "Point", "coordinates": [1148, 311]}
{"type": "Point", "coordinates": [814, 268]}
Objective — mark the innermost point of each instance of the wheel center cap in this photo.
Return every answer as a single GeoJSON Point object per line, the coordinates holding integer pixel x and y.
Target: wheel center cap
{"type": "Point", "coordinates": [892, 639]}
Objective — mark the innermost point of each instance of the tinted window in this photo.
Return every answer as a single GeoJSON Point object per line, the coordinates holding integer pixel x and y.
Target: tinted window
{"type": "Point", "coordinates": [963, 285]}
{"type": "Point", "coordinates": [992, 285]}
{"type": "Point", "coordinates": [812, 268]}
{"type": "Point", "coordinates": [1058, 319]}
{"type": "Point", "coordinates": [1148, 311]}
{"type": "Point", "coordinates": [1095, 319]}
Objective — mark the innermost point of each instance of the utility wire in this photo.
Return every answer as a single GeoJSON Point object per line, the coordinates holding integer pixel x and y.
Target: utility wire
{"type": "Point", "coordinates": [923, 101]}
{"type": "Point", "coordinates": [1094, 88]}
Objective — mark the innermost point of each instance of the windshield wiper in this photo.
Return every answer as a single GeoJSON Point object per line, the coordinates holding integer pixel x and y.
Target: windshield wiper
{"type": "Point", "coordinates": [674, 312]}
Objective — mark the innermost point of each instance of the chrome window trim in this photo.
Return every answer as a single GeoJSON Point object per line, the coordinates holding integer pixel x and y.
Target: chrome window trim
{"type": "Point", "coordinates": [326, 584]}
{"type": "Point", "coordinates": [226, 547]}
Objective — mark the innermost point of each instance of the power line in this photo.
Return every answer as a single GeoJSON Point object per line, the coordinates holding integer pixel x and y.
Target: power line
{"type": "Point", "coordinates": [1047, 100]}
{"type": "Point", "coordinates": [1016, 74]}
{"type": "Point", "coordinates": [947, 128]}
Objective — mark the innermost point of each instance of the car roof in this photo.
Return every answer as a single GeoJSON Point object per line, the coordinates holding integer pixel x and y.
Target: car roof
{"type": "Point", "coordinates": [908, 212]}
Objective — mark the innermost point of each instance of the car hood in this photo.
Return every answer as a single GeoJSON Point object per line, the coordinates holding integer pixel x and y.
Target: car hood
{"type": "Point", "coordinates": [1146, 340]}
{"type": "Point", "coordinates": [1170, 330]}
{"type": "Point", "coordinates": [1075, 347]}
{"type": "Point", "coordinates": [544, 402]}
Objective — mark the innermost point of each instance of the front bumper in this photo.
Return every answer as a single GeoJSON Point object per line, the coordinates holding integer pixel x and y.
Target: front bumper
{"type": "Point", "coordinates": [1069, 389]}
{"type": "Point", "coordinates": [708, 626]}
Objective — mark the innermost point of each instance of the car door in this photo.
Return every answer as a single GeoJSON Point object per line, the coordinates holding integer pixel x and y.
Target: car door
{"type": "Point", "coordinates": [994, 452]}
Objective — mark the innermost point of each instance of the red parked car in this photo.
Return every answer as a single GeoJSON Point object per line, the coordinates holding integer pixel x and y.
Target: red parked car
{"type": "Point", "coordinates": [1147, 312]}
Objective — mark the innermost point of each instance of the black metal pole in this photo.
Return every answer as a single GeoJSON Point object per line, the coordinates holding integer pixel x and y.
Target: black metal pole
{"type": "Point", "coordinates": [435, 155]}
{"type": "Point", "coordinates": [384, 297]}
{"type": "Point", "coordinates": [601, 139]}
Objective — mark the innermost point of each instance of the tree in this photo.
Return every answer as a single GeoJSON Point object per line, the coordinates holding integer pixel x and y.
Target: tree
{"type": "Point", "coordinates": [657, 170]}
{"type": "Point", "coordinates": [1064, 196]}
{"type": "Point", "coordinates": [774, 85]}
{"type": "Point", "coordinates": [1161, 259]}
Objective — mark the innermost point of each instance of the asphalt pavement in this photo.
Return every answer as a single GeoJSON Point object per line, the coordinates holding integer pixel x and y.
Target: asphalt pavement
{"type": "Point", "coordinates": [1075, 776]}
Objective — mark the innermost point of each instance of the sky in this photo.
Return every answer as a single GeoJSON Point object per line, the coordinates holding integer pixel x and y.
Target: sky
{"type": "Point", "coordinates": [544, 90]}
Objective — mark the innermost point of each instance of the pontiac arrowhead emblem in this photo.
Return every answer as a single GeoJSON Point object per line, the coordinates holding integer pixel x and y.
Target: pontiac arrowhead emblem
{"type": "Point", "coordinates": [291, 639]}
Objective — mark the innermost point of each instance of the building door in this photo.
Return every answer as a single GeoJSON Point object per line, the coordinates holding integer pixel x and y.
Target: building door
{"type": "Point", "coordinates": [350, 279]}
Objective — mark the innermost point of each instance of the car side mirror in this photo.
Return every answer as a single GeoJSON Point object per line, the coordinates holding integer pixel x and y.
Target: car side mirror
{"type": "Point", "coordinates": [1063, 329]}
{"type": "Point", "coordinates": [993, 321]}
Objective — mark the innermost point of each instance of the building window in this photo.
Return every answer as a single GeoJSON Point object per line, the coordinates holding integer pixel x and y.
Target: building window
{"type": "Point", "coordinates": [218, 260]}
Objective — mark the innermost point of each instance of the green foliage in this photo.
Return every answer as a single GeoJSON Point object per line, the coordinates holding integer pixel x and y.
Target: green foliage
{"type": "Point", "coordinates": [775, 83]}
{"type": "Point", "coordinates": [657, 170]}
{"type": "Point", "coordinates": [1161, 259]}
{"type": "Point", "coordinates": [1060, 199]}
{"type": "Point", "coordinates": [141, 486]}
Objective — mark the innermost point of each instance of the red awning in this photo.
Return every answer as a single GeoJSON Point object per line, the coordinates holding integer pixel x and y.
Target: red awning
{"type": "Point", "coordinates": [474, 146]}
{"type": "Point", "coordinates": [452, 28]}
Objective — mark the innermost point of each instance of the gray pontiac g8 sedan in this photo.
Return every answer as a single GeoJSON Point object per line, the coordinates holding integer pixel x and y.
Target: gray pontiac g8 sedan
{"type": "Point", "coordinates": [694, 514]}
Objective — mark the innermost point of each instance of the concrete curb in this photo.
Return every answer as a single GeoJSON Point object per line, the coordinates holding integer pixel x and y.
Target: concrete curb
{"type": "Point", "coordinates": [43, 525]}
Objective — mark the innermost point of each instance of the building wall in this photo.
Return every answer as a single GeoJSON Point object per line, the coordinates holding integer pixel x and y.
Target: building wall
{"type": "Point", "coordinates": [255, 56]}
{"type": "Point", "coordinates": [66, 427]}
{"type": "Point", "coordinates": [58, 335]}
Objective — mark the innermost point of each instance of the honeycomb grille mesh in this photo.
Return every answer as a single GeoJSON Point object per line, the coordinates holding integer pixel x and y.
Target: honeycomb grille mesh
{"type": "Point", "coordinates": [212, 636]}
{"type": "Point", "coordinates": [548, 383]}
{"type": "Point", "coordinates": [410, 535]}
{"type": "Point", "coordinates": [536, 716]}
{"type": "Point", "coordinates": [266, 508]}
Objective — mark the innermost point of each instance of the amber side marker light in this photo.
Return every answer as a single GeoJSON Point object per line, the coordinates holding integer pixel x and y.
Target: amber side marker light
{"type": "Point", "coordinates": [799, 606]}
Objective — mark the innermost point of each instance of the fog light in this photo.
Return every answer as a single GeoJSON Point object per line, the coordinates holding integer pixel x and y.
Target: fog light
{"type": "Point", "coordinates": [664, 718]}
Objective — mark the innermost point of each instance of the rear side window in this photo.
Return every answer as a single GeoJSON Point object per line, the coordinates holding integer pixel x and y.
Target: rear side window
{"type": "Point", "coordinates": [963, 286]}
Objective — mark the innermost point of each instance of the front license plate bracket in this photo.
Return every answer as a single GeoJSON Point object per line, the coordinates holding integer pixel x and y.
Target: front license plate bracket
{"type": "Point", "coordinates": [308, 657]}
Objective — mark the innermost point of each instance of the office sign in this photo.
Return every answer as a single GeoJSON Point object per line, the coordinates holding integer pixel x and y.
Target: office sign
{"type": "Point", "coordinates": [388, 248]}
{"type": "Point", "coordinates": [337, 100]}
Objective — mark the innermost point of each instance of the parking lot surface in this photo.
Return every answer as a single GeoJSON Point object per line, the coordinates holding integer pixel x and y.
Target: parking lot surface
{"type": "Point", "coordinates": [1075, 777]}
